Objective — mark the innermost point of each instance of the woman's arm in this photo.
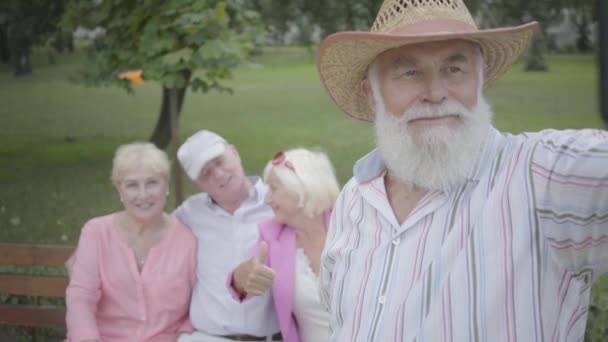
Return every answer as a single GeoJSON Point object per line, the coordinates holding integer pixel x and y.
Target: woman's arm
{"type": "Point", "coordinates": [84, 290]}
{"type": "Point", "coordinates": [187, 326]}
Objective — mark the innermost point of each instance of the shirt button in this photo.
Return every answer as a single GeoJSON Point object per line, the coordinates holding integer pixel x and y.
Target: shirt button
{"type": "Point", "coordinates": [382, 299]}
{"type": "Point", "coordinates": [396, 241]}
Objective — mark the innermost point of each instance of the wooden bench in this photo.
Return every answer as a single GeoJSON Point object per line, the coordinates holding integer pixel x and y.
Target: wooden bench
{"type": "Point", "coordinates": [51, 316]}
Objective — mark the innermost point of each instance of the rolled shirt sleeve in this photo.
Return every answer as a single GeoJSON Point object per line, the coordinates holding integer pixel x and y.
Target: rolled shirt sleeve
{"type": "Point", "coordinates": [569, 170]}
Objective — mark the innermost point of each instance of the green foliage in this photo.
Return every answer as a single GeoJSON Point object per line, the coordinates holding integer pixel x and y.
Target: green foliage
{"type": "Point", "coordinates": [329, 16]}
{"type": "Point", "coordinates": [597, 326]}
{"type": "Point", "coordinates": [30, 20]}
{"type": "Point", "coordinates": [516, 12]}
{"type": "Point", "coordinates": [24, 23]}
{"type": "Point", "coordinates": [168, 40]}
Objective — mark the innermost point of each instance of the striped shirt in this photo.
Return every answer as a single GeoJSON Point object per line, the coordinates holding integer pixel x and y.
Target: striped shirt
{"type": "Point", "coordinates": [510, 255]}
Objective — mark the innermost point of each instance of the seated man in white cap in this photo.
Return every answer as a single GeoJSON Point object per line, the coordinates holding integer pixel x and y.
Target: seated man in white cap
{"type": "Point", "coordinates": [450, 230]}
{"type": "Point", "coordinates": [224, 218]}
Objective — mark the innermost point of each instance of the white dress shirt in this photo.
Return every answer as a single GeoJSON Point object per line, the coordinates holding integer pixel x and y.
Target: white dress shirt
{"type": "Point", "coordinates": [224, 241]}
{"type": "Point", "coordinates": [509, 255]}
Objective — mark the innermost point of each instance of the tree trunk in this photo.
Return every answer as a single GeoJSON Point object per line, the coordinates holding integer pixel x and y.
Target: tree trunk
{"type": "Point", "coordinates": [5, 55]}
{"type": "Point", "coordinates": [174, 103]}
{"type": "Point", "coordinates": [69, 41]}
{"type": "Point", "coordinates": [161, 137]}
{"type": "Point", "coordinates": [583, 43]}
{"type": "Point", "coordinates": [349, 17]}
{"type": "Point", "coordinates": [20, 50]}
{"type": "Point", "coordinates": [21, 62]}
{"type": "Point", "coordinates": [535, 59]}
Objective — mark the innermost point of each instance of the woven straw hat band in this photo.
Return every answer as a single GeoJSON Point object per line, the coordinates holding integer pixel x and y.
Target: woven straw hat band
{"type": "Point", "coordinates": [395, 14]}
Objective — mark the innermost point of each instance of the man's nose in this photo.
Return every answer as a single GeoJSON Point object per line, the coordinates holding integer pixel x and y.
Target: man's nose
{"type": "Point", "coordinates": [217, 173]}
{"type": "Point", "coordinates": [436, 91]}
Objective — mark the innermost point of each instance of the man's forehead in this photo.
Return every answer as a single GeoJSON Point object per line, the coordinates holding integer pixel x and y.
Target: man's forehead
{"type": "Point", "coordinates": [420, 51]}
{"type": "Point", "coordinates": [212, 162]}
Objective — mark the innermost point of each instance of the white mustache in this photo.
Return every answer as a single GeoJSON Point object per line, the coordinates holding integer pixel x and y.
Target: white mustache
{"type": "Point", "coordinates": [433, 111]}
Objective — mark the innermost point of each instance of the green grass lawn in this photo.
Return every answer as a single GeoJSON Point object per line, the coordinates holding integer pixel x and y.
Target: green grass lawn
{"type": "Point", "coordinates": [50, 186]}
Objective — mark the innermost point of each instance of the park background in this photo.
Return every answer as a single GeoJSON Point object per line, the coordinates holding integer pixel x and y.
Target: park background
{"type": "Point", "coordinates": [245, 69]}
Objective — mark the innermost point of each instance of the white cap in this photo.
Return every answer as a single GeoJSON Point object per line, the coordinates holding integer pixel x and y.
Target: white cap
{"type": "Point", "coordinates": [200, 148]}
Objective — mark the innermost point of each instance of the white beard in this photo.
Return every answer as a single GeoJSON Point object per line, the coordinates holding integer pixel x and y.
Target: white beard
{"type": "Point", "coordinates": [440, 157]}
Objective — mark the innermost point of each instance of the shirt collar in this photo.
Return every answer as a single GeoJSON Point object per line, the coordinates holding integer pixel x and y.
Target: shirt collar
{"type": "Point", "coordinates": [372, 165]}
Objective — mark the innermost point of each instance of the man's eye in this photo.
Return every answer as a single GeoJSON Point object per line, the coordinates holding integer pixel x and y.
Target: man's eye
{"type": "Point", "coordinates": [454, 70]}
{"type": "Point", "coordinates": [410, 73]}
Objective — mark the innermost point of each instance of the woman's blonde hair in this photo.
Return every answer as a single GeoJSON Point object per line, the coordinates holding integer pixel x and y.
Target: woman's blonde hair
{"type": "Point", "coordinates": [139, 155]}
{"type": "Point", "coordinates": [309, 175]}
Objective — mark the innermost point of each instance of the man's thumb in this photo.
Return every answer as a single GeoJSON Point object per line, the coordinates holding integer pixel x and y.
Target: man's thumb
{"type": "Point", "coordinates": [263, 253]}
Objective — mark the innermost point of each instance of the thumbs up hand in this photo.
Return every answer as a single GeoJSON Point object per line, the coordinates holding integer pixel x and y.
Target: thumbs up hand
{"type": "Point", "coordinates": [253, 277]}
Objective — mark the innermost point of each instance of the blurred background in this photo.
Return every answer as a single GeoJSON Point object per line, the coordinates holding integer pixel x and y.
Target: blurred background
{"type": "Point", "coordinates": [80, 77]}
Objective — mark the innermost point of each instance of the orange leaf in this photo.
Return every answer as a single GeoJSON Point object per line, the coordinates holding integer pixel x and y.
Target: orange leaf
{"type": "Point", "coordinates": [133, 76]}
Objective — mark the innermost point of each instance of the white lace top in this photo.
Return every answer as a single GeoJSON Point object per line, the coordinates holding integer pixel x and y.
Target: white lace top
{"type": "Point", "coordinates": [313, 320]}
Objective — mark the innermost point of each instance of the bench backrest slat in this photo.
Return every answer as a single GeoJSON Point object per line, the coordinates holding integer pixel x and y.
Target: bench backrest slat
{"type": "Point", "coordinates": [32, 316]}
{"type": "Point", "coordinates": [27, 285]}
{"type": "Point", "coordinates": [27, 254]}
{"type": "Point", "coordinates": [12, 254]}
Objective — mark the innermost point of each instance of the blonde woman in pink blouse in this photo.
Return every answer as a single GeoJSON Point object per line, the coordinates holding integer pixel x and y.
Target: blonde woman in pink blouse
{"type": "Point", "coordinates": [133, 271]}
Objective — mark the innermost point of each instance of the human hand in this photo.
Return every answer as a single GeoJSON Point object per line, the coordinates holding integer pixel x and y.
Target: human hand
{"type": "Point", "coordinates": [253, 276]}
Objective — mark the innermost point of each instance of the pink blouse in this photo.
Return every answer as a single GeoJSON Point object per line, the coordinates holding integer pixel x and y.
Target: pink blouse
{"type": "Point", "coordinates": [108, 299]}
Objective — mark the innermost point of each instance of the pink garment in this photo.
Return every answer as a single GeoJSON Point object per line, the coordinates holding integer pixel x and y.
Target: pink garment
{"type": "Point", "coordinates": [108, 299]}
{"type": "Point", "coordinates": [281, 240]}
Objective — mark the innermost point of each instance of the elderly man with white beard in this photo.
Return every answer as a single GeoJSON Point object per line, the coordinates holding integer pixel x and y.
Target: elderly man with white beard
{"type": "Point", "coordinates": [451, 230]}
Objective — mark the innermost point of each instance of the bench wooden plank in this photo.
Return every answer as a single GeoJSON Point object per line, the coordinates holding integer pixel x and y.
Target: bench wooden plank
{"type": "Point", "coordinates": [28, 254]}
{"type": "Point", "coordinates": [32, 316]}
{"type": "Point", "coordinates": [28, 285]}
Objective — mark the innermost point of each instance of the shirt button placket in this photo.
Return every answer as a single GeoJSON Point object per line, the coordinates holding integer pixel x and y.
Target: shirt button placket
{"type": "Point", "coordinates": [142, 309]}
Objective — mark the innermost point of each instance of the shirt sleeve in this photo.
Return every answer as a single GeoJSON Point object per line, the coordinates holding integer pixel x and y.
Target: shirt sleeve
{"type": "Point", "coordinates": [337, 224]}
{"type": "Point", "coordinates": [84, 290]}
{"type": "Point", "coordinates": [180, 214]}
{"type": "Point", "coordinates": [569, 170]}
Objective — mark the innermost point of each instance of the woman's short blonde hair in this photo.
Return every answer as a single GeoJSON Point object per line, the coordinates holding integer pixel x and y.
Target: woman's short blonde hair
{"type": "Point", "coordinates": [139, 155]}
{"type": "Point", "coordinates": [312, 179]}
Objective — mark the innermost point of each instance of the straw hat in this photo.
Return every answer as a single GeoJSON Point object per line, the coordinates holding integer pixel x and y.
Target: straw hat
{"type": "Point", "coordinates": [343, 57]}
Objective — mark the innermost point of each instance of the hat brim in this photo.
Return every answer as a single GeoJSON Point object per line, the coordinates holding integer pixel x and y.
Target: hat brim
{"type": "Point", "coordinates": [344, 57]}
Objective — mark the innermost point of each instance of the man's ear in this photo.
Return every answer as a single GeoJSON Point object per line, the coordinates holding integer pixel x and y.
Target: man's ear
{"type": "Point", "coordinates": [365, 87]}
